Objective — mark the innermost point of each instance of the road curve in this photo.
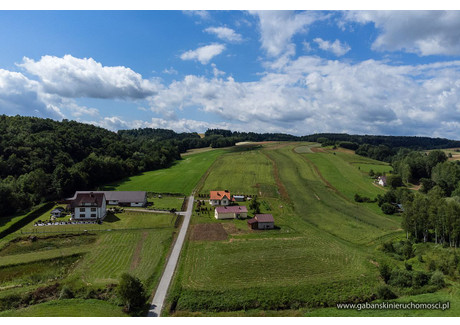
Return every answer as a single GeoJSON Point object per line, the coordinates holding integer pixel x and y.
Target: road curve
{"type": "Point", "coordinates": [162, 289]}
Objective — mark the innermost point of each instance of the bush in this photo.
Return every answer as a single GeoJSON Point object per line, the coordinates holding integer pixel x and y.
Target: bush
{"type": "Point", "coordinates": [437, 279]}
{"type": "Point", "coordinates": [385, 293]}
{"type": "Point", "coordinates": [400, 278]}
{"type": "Point", "coordinates": [66, 293]}
{"type": "Point", "coordinates": [388, 247]}
{"type": "Point", "coordinates": [389, 208]}
{"type": "Point", "coordinates": [408, 250]}
{"type": "Point", "coordinates": [385, 272]}
{"type": "Point", "coordinates": [420, 278]}
{"type": "Point", "coordinates": [132, 293]}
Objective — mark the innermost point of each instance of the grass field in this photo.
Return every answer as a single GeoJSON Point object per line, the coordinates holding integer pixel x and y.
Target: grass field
{"type": "Point", "coordinates": [180, 178]}
{"type": "Point", "coordinates": [316, 256]}
{"type": "Point", "coordinates": [246, 172]}
{"type": "Point", "coordinates": [68, 308]}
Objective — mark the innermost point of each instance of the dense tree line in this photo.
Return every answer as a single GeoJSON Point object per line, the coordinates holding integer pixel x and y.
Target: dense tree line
{"type": "Point", "coordinates": [42, 159]}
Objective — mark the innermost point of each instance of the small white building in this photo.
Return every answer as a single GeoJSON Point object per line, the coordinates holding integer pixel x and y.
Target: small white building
{"type": "Point", "coordinates": [231, 212]}
{"type": "Point", "coordinates": [89, 206]}
{"type": "Point", "coordinates": [382, 180]}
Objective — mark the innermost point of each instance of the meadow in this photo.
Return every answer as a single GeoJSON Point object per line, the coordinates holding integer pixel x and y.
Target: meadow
{"type": "Point", "coordinates": [314, 258]}
{"type": "Point", "coordinates": [180, 178]}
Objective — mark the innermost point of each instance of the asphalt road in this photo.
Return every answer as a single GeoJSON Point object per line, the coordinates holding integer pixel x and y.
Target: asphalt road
{"type": "Point", "coordinates": [162, 289]}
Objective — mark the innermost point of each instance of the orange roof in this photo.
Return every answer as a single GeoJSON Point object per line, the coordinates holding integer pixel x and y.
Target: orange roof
{"type": "Point", "coordinates": [219, 195]}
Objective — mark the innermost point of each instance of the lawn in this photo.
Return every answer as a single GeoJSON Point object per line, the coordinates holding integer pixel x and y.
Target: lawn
{"type": "Point", "coordinates": [181, 178]}
{"type": "Point", "coordinates": [129, 219]}
{"type": "Point", "coordinates": [68, 308]}
{"type": "Point", "coordinates": [166, 202]}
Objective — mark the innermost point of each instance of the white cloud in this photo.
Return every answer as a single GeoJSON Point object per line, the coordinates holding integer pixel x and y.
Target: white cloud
{"type": "Point", "coordinates": [203, 54]}
{"type": "Point", "coordinates": [203, 14]}
{"type": "Point", "coordinates": [311, 94]}
{"type": "Point", "coordinates": [20, 95]}
{"type": "Point", "coordinates": [224, 33]}
{"type": "Point", "coordinates": [278, 27]}
{"type": "Point", "coordinates": [171, 70]}
{"type": "Point", "coordinates": [336, 47]}
{"type": "Point", "coordinates": [73, 77]}
{"type": "Point", "coordinates": [421, 32]}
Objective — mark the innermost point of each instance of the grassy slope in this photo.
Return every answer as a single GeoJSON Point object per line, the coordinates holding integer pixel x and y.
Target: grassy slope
{"type": "Point", "coordinates": [182, 177]}
{"type": "Point", "coordinates": [68, 308]}
{"type": "Point", "coordinates": [246, 172]}
{"type": "Point", "coordinates": [307, 253]}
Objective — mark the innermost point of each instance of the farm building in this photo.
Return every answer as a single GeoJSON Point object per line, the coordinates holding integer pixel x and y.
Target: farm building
{"type": "Point", "coordinates": [382, 180]}
{"type": "Point", "coordinates": [262, 221]}
{"type": "Point", "coordinates": [231, 212]}
{"type": "Point", "coordinates": [238, 198]}
{"type": "Point", "coordinates": [220, 198]}
{"type": "Point", "coordinates": [123, 198]}
{"type": "Point", "coordinates": [89, 206]}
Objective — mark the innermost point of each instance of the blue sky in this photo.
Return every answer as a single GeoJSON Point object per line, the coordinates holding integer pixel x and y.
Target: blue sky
{"type": "Point", "coordinates": [298, 72]}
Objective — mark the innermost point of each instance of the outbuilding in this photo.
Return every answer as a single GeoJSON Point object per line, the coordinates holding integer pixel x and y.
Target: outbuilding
{"type": "Point", "coordinates": [231, 212]}
{"type": "Point", "coordinates": [262, 221]}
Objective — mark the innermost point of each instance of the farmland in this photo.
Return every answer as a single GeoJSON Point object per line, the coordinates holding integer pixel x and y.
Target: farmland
{"type": "Point", "coordinates": [321, 253]}
{"type": "Point", "coordinates": [181, 178]}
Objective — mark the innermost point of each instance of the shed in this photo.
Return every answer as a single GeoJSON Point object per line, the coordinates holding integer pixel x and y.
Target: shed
{"type": "Point", "coordinates": [239, 198]}
{"type": "Point", "coordinates": [262, 221]}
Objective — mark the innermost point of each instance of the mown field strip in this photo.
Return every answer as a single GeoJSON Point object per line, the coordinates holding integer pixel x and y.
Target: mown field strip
{"type": "Point", "coordinates": [181, 178]}
{"type": "Point", "coordinates": [228, 173]}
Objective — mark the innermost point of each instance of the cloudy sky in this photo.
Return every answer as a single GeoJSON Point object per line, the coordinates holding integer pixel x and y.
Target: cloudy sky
{"type": "Point", "coordinates": [297, 72]}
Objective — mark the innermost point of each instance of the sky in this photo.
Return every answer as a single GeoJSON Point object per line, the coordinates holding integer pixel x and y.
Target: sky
{"type": "Point", "coordinates": [297, 72]}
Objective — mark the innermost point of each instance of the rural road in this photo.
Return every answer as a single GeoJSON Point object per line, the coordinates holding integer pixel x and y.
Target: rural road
{"type": "Point", "coordinates": [162, 289]}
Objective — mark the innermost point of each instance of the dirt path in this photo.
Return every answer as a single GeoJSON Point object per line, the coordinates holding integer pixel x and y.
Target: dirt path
{"type": "Point", "coordinates": [136, 260]}
{"type": "Point", "coordinates": [281, 188]}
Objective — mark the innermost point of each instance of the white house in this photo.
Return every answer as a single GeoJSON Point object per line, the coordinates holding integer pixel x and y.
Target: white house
{"type": "Point", "coordinates": [232, 212]}
{"type": "Point", "coordinates": [89, 206]}
{"type": "Point", "coordinates": [382, 180]}
{"type": "Point", "coordinates": [220, 198]}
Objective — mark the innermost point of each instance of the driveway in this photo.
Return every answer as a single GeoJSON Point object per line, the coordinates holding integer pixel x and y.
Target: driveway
{"type": "Point", "coordinates": [162, 289]}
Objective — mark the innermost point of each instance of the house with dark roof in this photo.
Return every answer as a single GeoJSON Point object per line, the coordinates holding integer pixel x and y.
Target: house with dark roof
{"type": "Point", "coordinates": [123, 198]}
{"type": "Point", "coordinates": [57, 212]}
{"type": "Point", "coordinates": [262, 221]}
{"type": "Point", "coordinates": [89, 206]}
{"type": "Point", "coordinates": [231, 212]}
{"type": "Point", "coordinates": [220, 198]}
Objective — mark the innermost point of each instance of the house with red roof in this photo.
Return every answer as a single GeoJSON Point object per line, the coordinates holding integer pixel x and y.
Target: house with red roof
{"type": "Point", "coordinates": [231, 212]}
{"type": "Point", "coordinates": [261, 222]}
{"type": "Point", "coordinates": [220, 198]}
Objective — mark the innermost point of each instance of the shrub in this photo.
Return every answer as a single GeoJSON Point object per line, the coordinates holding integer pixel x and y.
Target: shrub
{"type": "Point", "coordinates": [432, 266]}
{"type": "Point", "coordinates": [385, 272]}
{"type": "Point", "coordinates": [400, 278]}
{"type": "Point", "coordinates": [388, 247]}
{"type": "Point", "coordinates": [420, 278]}
{"type": "Point", "coordinates": [385, 293]}
{"type": "Point", "coordinates": [66, 293]}
{"type": "Point", "coordinates": [389, 208]}
{"type": "Point", "coordinates": [437, 279]}
{"type": "Point", "coordinates": [132, 293]}
{"type": "Point", "coordinates": [408, 266]}
{"type": "Point", "coordinates": [408, 250]}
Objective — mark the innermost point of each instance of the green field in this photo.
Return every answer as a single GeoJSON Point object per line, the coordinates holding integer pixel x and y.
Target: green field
{"type": "Point", "coordinates": [245, 172]}
{"type": "Point", "coordinates": [315, 258]}
{"type": "Point", "coordinates": [68, 308]}
{"type": "Point", "coordinates": [180, 178]}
